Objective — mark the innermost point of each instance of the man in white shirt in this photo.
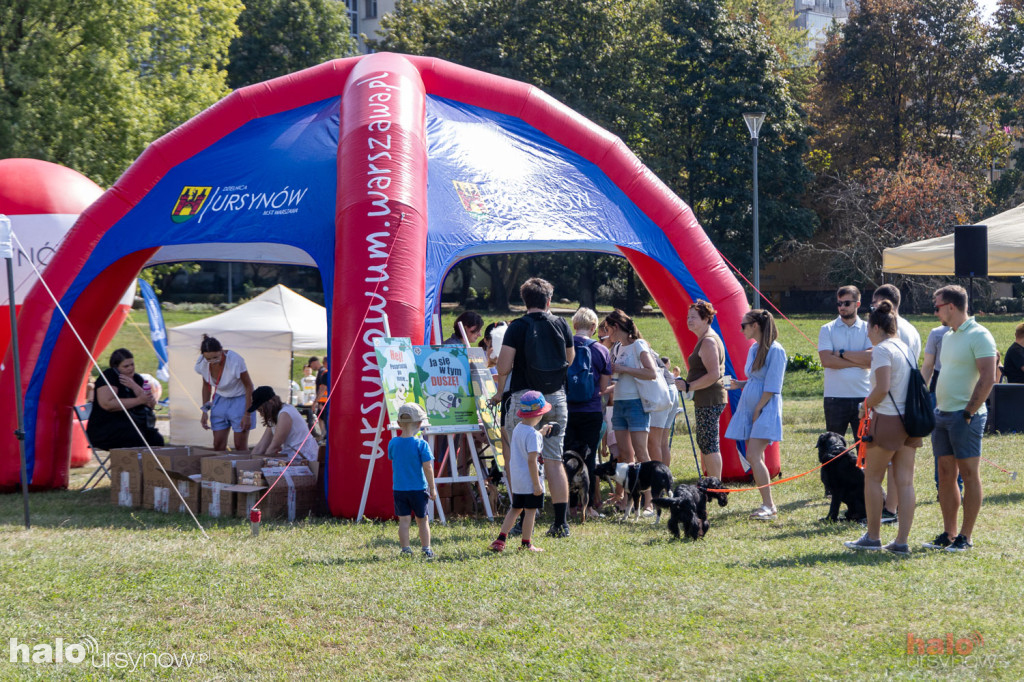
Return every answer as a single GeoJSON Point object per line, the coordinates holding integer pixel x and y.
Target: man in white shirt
{"type": "Point", "coordinates": [845, 352]}
{"type": "Point", "coordinates": [909, 335]}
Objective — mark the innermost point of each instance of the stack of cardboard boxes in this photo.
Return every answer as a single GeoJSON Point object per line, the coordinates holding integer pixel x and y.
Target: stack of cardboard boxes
{"type": "Point", "coordinates": [212, 483]}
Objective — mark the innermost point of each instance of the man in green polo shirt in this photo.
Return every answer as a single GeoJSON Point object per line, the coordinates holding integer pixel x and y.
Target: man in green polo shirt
{"type": "Point", "coordinates": [968, 358]}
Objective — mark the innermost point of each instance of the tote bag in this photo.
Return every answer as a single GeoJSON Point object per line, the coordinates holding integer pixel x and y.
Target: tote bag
{"type": "Point", "coordinates": [654, 393]}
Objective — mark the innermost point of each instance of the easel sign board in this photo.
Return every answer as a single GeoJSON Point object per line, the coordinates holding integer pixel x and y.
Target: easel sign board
{"type": "Point", "coordinates": [483, 389]}
{"type": "Point", "coordinates": [398, 373]}
{"type": "Point", "coordinates": [444, 382]}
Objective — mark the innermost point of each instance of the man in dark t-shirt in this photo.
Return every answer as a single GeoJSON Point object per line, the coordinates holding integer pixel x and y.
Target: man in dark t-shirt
{"type": "Point", "coordinates": [545, 334]}
{"type": "Point", "coordinates": [1013, 362]}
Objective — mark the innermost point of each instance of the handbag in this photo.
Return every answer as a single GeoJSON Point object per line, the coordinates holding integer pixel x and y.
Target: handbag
{"type": "Point", "coordinates": [654, 393]}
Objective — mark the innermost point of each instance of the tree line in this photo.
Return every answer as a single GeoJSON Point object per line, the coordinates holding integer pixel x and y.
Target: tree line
{"type": "Point", "coordinates": [905, 123]}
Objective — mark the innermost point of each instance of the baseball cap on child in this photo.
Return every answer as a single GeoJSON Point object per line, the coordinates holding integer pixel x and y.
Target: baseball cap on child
{"type": "Point", "coordinates": [410, 413]}
{"type": "Point", "coordinates": [532, 404]}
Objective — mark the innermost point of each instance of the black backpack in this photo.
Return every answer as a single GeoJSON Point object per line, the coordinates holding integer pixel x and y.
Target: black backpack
{"type": "Point", "coordinates": [545, 354]}
{"type": "Point", "coordinates": [918, 415]}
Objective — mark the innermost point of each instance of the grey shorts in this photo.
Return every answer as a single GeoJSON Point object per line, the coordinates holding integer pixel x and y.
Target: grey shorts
{"type": "Point", "coordinates": [954, 436]}
{"type": "Point", "coordinates": [559, 414]}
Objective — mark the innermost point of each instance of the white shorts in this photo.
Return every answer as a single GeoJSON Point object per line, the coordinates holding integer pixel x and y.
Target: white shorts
{"type": "Point", "coordinates": [663, 419]}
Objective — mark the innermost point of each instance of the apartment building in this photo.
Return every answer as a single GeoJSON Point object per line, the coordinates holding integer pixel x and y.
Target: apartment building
{"type": "Point", "coordinates": [364, 18]}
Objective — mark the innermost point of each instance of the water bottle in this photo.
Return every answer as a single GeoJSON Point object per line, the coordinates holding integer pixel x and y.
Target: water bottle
{"type": "Point", "coordinates": [145, 385]}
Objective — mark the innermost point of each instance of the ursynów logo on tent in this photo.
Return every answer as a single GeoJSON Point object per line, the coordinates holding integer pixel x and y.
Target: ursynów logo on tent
{"type": "Point", "coordinates": [189, 202]}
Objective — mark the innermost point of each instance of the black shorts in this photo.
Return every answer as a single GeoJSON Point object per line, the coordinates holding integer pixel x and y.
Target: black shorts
{"type": "Point", "coordinates": [527, 501]}
{"type": "Point", "coordinates": [411, 503]}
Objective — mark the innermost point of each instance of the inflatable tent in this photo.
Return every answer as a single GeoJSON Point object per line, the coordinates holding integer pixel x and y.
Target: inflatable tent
{"type": "Point", "coordinates": [43, 200]}
{"type": "Point", "coordinates": [264, 331]}
{"type": "Point", "coordinates": [386, 170]}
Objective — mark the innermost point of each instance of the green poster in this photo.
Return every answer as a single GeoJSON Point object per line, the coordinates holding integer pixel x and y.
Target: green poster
{"type": "Point", "coordinates": [445, 387]}
{"type": "Point", "coordinates": [399, 376]}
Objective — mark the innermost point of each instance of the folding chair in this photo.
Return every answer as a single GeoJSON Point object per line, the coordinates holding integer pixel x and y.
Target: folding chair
{"type": "Point", "coordinates": [83, 412]}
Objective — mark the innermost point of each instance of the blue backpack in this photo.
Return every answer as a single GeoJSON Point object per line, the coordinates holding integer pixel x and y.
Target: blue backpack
{"type": "Point", "coordinates": [580, 382]}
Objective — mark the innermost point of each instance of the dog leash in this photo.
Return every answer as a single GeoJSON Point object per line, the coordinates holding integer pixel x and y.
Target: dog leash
{"type": "Point", "coordinates": [785, 480]}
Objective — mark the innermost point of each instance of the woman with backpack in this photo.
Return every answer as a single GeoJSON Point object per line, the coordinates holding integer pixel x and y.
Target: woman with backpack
{"type": "Point", "coordinates": [587, 379]}
{"type": "Point", "coordinates": [891, 366]}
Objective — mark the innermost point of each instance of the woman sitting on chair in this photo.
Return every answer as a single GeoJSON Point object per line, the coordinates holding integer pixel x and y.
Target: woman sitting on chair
{"type": "Point", "coordinates": [109, 426]}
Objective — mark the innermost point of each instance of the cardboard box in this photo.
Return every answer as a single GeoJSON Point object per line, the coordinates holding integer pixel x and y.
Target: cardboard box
{"type": "Point", "coordinates": [244, 500]}
{"type": "Point", "coordinates": [159, 496]}
{"type": "Point", "coordinates": [126, 477]}
{"type": "Point", "coordinates": [217, 472]}
{"type": "Point", "coordinates": [293, 498]}
{"type": "Point", "coordinates": [463, 505]}
{"type": "Point", "coordinates": [182, 465]}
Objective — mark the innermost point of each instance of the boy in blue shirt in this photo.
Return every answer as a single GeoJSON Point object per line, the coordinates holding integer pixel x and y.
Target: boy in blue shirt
{"type": "Point", "coordinates": [412, 477]}
{"type": "Point", "coordinates": [523, 470]}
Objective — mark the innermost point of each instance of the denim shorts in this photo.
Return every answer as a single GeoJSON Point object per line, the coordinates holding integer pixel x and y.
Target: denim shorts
{"type": "Point", "coordinates": [411, 503]}
{"type": "Point", "coordinates": [229, 412]}
{"type": "Point", "coordinates": [954, 436]}
{"type": "Point", "coordinates": [629, 415]}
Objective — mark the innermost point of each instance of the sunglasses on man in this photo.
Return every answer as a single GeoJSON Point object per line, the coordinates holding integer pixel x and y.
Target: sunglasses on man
{"type": "Point", "coordinates": [843, 304]}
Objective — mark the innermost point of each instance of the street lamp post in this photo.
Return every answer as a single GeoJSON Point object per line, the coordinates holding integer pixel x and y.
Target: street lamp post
{"type": "Point", "coordinates": [754, 119]}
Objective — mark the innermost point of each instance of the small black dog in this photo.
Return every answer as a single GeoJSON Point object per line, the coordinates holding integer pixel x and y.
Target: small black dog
{"type": "Point", "coordinates": [843, 478]}
{"type": "Point", "coordinates": [636, 478]}
{"type": "Point", "coordinates": [579, 480]}
{"type": "Point", "coordinates": [688, 506]}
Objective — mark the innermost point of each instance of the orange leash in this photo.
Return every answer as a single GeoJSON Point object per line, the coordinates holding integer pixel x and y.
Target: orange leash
{"type": "Point", "coordinates": [863, 436]}
{"type": "Point", "coordinates": [784, 480]}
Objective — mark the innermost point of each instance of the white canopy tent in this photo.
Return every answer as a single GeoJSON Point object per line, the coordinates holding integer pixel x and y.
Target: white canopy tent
{"type": "Point", "coordinates": [265, 332]}
{"type": "Point", "coordinates": [935, 256]}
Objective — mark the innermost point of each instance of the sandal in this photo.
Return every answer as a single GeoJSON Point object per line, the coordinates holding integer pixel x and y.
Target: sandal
{"type": "Point", "coordinates": [497, 546]}
{"type": "Point", "coordinates": [765, 513]}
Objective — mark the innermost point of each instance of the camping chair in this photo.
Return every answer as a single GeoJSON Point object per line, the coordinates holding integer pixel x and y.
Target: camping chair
{"type": "Point", "coordinates": [83, 412]}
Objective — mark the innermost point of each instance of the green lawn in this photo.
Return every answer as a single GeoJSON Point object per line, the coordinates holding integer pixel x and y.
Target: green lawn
{"type": "Point", "coordinates": [327, 599]}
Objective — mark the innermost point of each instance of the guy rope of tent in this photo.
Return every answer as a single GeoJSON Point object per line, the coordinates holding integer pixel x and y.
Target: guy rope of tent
{"type": "Point", "coordinates": [92, 359]}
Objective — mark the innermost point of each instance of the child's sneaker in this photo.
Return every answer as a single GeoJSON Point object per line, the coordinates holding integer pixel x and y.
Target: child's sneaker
{"type": "Point", "coordinates": [530, 547]}
{"type": "Point", "coordinates": [428, 553]}
{"type": "Point", "coordinates": [407, 551]}
{"type": "Point", "coordinates": [497, 546]}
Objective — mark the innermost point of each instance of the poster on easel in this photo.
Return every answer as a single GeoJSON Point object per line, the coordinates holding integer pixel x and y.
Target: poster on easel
{"type": "Point", "coordinates": [483, 389]}
{"type": "Point", "coordinates": [445, 388]}
{"type": "Point", "coordinates": [398, 373]}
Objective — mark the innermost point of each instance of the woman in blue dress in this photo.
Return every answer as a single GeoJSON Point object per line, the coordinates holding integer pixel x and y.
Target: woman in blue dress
{"type": "Point", "coordinates": [758, 416]}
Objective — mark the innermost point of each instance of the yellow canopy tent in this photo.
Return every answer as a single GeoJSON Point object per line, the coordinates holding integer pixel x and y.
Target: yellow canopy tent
{"type": "Point", "coordinates": [935, 256]}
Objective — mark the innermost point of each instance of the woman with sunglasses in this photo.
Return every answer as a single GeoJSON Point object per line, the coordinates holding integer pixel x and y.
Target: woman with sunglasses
{"type": "Point", "coordinates": [758, 416]}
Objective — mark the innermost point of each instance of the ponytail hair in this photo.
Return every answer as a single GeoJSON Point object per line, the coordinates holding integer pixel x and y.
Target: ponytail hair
{"type": "Point", "coordinates": [769, 333]}
{"type": "Point", "coordinates": [884, 317]}
{"type": "Point", "coordinates": [210, 345]}
{"type": "Point", "coordinates": [617, 318]}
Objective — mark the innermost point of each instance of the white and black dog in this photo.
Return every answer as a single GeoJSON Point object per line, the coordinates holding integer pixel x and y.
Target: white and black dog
{"type": "Point", "coordinates": [579, 480]}
{"type": "Point", "coordinates": [636, 479]}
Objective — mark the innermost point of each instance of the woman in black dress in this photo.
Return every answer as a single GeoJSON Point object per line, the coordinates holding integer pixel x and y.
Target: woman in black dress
{"type": "Point", "coordinates": [109, 427]}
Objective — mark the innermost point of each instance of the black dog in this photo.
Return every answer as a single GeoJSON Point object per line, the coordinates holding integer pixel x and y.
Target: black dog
{"type": "Point", "coordinates": [579, 480]}
{"type": "Point", "coordinates": [842, 477]}
{"type": "Point", "coordinates": [688, 507]}
{"type": "Point", "coordinates": [636, 478]}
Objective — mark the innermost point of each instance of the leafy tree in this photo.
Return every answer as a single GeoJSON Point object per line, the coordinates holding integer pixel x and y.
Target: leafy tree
{"type": "Point", "coordinates": [282, 36]}
{"type": "Point", "coordinates": [1006, 86]}
{"type": "Point", "coordinates": [90, 84]}
{"type": "Point", "coordinates": [903, 76]}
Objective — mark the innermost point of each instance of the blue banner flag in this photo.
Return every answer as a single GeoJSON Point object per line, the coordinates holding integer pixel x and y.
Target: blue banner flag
{"type": "Point", "coordinates": [157, 330]}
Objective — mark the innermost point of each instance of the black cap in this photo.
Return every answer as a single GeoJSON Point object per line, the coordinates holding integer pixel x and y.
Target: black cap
{"type": "Point", "coordinates": [261, 395]}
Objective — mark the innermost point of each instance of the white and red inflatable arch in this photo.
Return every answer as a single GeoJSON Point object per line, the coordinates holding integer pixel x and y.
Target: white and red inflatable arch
{"type": "Point", "coordinates": [385, 170]}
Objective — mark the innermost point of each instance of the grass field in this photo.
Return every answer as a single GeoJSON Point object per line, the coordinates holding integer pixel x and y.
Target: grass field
{"type": "Point", "coordinates": [327, 599]}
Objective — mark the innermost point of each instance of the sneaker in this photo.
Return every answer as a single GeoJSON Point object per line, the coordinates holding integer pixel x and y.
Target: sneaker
{"type": "Point", "coordinates": [898, 549]}
{"type": "Point", "coordinates": [529, 548]}
{"type": "Point", "coordinates": [959, 544]}
{"type": "Point", "coordinates": [516, 529]}
{"type": "Point", "coordinates": [941, 541]}
{"type": "Point", "coordinates": [889, 517]}
{"type": "Point", "coordinates": [556, 531]}
{"type": "Point", "coordinates": [865, 543]}
{"type": "Point", "coordinates": [497, 546]}
{"type": "Point", "coordinates": [764, 513]}
{"type": "Point", "coordinates": [594, 514]}
{"type": "Point", "coordinates": [428, 553]}
{"type": "Point", "coordinates": [648, 513]}
{"type": "Point", "coordinates": [407, 551]}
